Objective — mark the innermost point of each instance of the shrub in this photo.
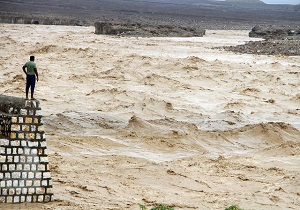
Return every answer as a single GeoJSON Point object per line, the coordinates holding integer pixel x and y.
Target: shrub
{"type": "Point", "coordinates": [233, 207]}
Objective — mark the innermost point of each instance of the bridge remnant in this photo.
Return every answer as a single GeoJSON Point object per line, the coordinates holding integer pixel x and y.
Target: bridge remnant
{"type": "Point", "coordinates": [24, 167]}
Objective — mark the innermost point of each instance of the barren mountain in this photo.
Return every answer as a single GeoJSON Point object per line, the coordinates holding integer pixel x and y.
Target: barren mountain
{"type": "Point", "coordinates": [209, 14]}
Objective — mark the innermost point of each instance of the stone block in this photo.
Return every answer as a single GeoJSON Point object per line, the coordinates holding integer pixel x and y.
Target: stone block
{"type": "Point", "coordinates": [44, 159]}
{"type": "Point", "coordinates": [21, 120]}
{"type": "Point", "coordinates": [24, 143]}
{"type": "Point", "coordinates": [25, 128]}
{"type": "Point", "coordinates": [30, 136]}
{"type": "Point", "coordinates": [41, 167]}
{"type": "Point", "coordinates": [16, 158]}
{"type": "Point", "coordinates": [8, 182]}
{"type": "Point", "coordinates": [40, 198]}
{"type": "Point", "coordinates": [2, 159]}
{"type": "Point", "coordinates": [36, 120]}
{"type": "Point", "coordinates": [15, 183]}
{"type": "Point", "coordinates": [49, 190]}
{"type": "Point", "coordinates": [21, 183]}
{"type": "Point", "coordinates": [43, 143]}
{"type": "Point", "coordinates": [21, 136]}
{"type": "Point", "coordinates": [8, 151]}
{"type": "Point", "coordinates": [28, 120]}
{"type": "Point", "coordinates": [18, 191]}
{"type": "Point", "coordinates": [33, 128]}
{"type": "Point", "coordinates": [4, 191]}
{"type": "Point", "coordinates": [22, 159]}
{"type": "Point", "coordinates": [30, 175]}
{"type": "Point", "coordinates": [20, 151]}
{"type": "Point", "coordinates": [33, 167]}
{"type": "Point", "coordinates": [37, 183]}
{"type": "Point", "coordinates": [33, 144]}
{"type": "Point", "coordinates": [38, 113]}
{"type": "Point", "coordinates": [27, 151]}
{"type": "Point", "coordinates": [13, 135]}
{"type": "Point", "coordinates": [12, 167]}
{"type": "Point", "coordinates": [41, 128]}
{"type": "Point", "coordinates": [23, 111]}
{"type": "Point", "coordinates": [14, 119]}
{"type": "Point", "coordinates": [26, 167]}
{"type": "Point", "coordinates": [4, 142]}
{"type": "Point", "coordinates": [23, 199]}
{"type": "Point", "coordinates": [34, 198]}
{"type": "Point", "coordinates": [16, 199]}
{"type": "Point", "coordinates": [29, 199]}
{"type": "Point", "coordinates": [15, 127]}
{"type": "Point", "coordinates": [38, 175]}
{"type": "Point", "coordinates": [11, 191]}
{"type": "Point", "coordinates": [9, 199]}
{"type": "Point", "coordinates": [16, 175]}
{"type": "Point", "coordinates": [46, 175]}
{"type": "Point", "coordinates": [48, 198]}
{"type": "Point", "coordinates": [9, 159]}
{"type": "Point", "coordinates": [2, 150]}
{"type": "Point", "coordinates": [40, 190]}
{"type": "Point", "coordinates": [24, 175]}
{"type": "Point", "coordinates": [29, 159]}
{"type": "Point", "coordinates": [36, 159]}
{"type": "Point", "coordinates": [31, 190]}
{"type": "Point", "coordinates": [2, 184]}
{"type": "Point", "coordinates": [2, 199]}
{"type": "Point", "coordinates": [24, 191]}
{"type": "Point", "coordinates": [28, 183]}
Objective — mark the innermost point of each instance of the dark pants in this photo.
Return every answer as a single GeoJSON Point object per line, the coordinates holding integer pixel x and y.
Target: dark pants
{"type": "Point", "coordinates": [30, 83]}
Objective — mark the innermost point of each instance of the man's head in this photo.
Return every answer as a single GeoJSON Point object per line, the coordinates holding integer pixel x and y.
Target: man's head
{"type": "Point", "coordinates": [32, 58]}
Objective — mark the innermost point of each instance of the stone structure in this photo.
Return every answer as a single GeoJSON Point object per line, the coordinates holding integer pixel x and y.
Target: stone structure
{"type": "Point", "coordinates": [24, 166]}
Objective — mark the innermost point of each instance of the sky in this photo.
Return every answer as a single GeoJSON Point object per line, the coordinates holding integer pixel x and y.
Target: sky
{"type": "Point", "coordinates": [281, 1]}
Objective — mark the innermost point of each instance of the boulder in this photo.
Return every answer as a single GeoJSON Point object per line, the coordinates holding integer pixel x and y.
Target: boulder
{"type": "Point", "coordinates": [135, 29]}
{"type": "Point", "coordinates": [109, 29]}
{"type": "Point", "coordinates": [273, 33]}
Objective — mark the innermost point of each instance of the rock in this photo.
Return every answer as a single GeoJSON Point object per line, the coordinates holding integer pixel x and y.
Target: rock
{"type": "Point", "coordinates": [269, 47]}
{"type": "Point", "coordinates": [135, 29]}
{"type": "Point", "coordinates": [273, 33]}
{"type": "Point", "coordinates": [110, 29]}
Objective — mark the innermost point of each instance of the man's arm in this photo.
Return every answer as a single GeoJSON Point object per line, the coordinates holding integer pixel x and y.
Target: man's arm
{"type": "Point", "coordinates": [36, 74]}
{"type": "Point", "coordinates": [24, 69]}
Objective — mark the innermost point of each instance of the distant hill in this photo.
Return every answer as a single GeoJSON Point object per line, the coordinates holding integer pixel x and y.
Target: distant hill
{"type": "Point", "coordinates": [210, 14]}
{"type": "Point", "coordinates": [247, 1]}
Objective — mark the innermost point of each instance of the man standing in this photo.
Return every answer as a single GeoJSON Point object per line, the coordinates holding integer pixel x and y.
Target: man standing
{"type": "Point", "coordinates": [31, 72]}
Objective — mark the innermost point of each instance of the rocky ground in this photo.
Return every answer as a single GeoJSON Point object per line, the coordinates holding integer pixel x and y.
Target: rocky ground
{"type": "Point", "coordinates": [277, 41]}
{"type": "Point", "coordinates": [269, 47]}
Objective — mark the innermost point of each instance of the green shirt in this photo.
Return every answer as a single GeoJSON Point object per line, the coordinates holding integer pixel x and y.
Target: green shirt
{"type": "Point", "coordinates": [30, 65]}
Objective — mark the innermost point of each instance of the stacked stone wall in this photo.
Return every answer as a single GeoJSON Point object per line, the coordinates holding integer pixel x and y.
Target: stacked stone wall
{"type": "Point", "coordinates": [24, 167]}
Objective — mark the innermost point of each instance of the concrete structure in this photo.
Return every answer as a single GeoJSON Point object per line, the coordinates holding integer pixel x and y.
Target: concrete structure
{"type": "Point", "coordinates": [24, 168]}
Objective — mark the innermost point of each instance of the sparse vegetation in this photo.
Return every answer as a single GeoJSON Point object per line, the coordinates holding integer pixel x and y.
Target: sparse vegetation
{"type": "Point", "coordinates": [160, 207]}
{"type": "Point", "coordinates": [233, 207]}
